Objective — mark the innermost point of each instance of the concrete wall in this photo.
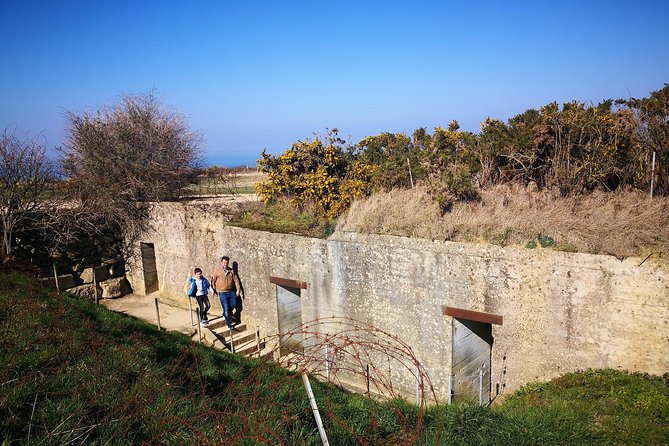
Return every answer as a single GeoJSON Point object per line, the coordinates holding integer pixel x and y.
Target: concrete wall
{"type": "Point", "coordinates": [562, 311]}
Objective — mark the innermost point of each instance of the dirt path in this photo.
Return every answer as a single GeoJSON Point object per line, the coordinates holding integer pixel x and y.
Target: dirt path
{"type": "Point", "coordinates": [144, 307]}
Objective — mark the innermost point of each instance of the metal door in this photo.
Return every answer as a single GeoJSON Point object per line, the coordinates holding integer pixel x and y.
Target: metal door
{"type": "Point", "coordinates": [290, 319]}
{"type": "Point", "coordinates": [472, 349]}
{"type": "Point", "coordinates": [149, 267]}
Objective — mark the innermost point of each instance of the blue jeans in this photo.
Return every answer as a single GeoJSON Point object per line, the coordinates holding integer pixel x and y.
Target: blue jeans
{"type": "Point", "coordinates": [228, 302]}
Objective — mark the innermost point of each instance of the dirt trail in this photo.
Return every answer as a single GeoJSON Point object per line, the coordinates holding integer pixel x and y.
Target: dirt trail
{"type": "Point", "coordinates": [144, 307]}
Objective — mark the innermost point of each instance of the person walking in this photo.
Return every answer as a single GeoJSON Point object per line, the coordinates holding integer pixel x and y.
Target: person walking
{"type": "Point", "coordinates": [226, 283]}
{"type": "Point", "coordinates": [198, 289]}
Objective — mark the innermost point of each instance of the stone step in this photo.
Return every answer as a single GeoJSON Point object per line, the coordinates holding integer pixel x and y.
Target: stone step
{"type": "Point", "coordinates": [250, 348]}
{"type": "Point", "coordinates": [218, 322]}
{"type": "Point", "coordinates": [217, 335]}
{"type": "Point", "coordinates": [238, 337]}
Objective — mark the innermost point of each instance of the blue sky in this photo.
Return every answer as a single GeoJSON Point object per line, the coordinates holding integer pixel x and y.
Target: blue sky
{"type": "Point", "coordinates": [261, 75]}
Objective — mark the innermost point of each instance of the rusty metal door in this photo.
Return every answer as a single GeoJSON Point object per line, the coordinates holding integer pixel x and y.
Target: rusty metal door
{"type": "Point", "coordinates": [289, 311]}
{"type": "Point", "coordinates": [149, 267]}
{"type": "Point", "coordinates": [472, 353]}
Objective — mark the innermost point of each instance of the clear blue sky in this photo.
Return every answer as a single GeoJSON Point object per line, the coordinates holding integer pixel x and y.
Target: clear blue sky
{"type": "Point", "coordinates": [261, 75]}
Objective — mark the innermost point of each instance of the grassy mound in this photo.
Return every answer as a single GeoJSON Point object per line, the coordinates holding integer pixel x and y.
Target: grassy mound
{"type": "Point", "coordinates": [622, 223]}
{"type": "Point", "coordinates": [74, 373]}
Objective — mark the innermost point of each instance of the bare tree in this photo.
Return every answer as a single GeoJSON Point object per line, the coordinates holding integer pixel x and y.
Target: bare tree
{"type": "Point", "coordinates": [119, 158]}
{"type": "Point", "coordinates": [25, 174]}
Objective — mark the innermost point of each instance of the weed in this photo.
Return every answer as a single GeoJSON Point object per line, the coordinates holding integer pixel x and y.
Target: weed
{"type": "Point", "coordinates": [546, 241]}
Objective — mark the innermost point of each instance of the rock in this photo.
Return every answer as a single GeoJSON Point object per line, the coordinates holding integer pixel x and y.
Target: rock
{"type": "Point", "coordinates": [101, 274]}
{"type": "Point", "coordinates": [116, 287]}
{"type": "Point", "coordinates": [86, 291]}
{"type": "Point", "coordinates": [86, 275]}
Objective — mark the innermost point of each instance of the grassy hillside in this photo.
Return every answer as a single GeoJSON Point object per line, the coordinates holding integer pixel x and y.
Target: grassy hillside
{"type": "Point", "coordinates": [74, 373]}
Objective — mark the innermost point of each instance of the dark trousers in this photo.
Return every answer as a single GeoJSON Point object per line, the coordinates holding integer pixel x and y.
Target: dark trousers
{"type": "Point", "coordinates": [203, 303]}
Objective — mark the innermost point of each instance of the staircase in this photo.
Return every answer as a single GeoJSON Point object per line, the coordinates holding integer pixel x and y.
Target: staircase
{"type": "Point", "coordinates": [240, 340]}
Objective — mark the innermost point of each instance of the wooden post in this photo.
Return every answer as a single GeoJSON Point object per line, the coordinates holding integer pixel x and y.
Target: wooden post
{"type": "Point", "coordinates": [155, 299]}
{"type": "Point", "coordinates": [410, 175]}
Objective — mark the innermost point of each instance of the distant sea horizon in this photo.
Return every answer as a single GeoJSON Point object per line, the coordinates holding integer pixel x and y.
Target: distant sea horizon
{"type": "Point", "coordinates": [230, 160]}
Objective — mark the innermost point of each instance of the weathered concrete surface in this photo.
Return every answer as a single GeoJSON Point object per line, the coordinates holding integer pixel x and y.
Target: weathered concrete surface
{"type": "Point", "coordinates": [562, 311]}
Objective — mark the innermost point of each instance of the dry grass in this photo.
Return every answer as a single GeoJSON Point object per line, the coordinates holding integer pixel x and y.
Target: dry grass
{"type": "Point", "coordinates": [622, 224]}
{"type": "Point", "coordinates": [247, 179]}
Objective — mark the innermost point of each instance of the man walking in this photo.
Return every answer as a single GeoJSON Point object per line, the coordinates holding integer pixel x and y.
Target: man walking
{"type": "Point", "coordinates": [225, 282]}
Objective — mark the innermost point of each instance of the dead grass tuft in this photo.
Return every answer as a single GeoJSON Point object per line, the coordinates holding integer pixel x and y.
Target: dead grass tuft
{"type": "Point", "coordinates": [622, 224]}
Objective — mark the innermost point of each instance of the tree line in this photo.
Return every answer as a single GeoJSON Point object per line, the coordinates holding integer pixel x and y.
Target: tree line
{"type": "Point", "coordinates": [118, 159]}
{"type": "Point", "coordinates": [573, 149]}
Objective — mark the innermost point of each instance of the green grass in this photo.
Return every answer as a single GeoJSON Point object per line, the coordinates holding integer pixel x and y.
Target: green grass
{"type": "Point", "coordinates": [75, 373]}
{"type": "Point", "coordinates": [621, 408]}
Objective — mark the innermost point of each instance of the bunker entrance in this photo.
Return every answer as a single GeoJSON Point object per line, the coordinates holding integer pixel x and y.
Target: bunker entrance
{"type": "Point", "coordinates": [472, 355]}
{"type": "Point", "coordinates": [149, 267]}
{"type": "Point", "coordinates": [289, 314]}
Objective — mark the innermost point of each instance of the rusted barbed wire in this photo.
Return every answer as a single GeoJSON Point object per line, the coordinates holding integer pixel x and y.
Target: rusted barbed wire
{"type": "Point", "coordinates": [339, 348]}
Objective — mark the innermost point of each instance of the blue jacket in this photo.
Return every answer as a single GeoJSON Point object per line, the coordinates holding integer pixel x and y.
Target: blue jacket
{"type": "Point", "coordinates": [193, 286]}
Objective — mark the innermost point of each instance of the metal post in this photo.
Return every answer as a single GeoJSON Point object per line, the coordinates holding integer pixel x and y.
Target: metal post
{"type": "Point", "coordinates": [55, 275]}
{"type": "Point", "coordinates": [232, 341]}
{"type": "Point", "coordinates": [190, 309]}
{"type": "Point", "coordinates": [367, 376]}
{"type": "Point", "coordinates": [327, 364]}
{"type": "Point", "coordinates": [95, 288]}
{"type": "Point", "coordinates": [258, 340]}
{"type": "Point", "coordinates": [450, 389]}
{"type": "Point", "coordinates": [652, 175]}
{"type": "Point", "coordinates": [417, 386]}
{"type": "Point", "coordinates": [314, 409]}
{"type": "Point", "coordinates": [155, 299]}
{"type": "Point", "coordinates": [481, 387]}
{"type": "Point", "coordinates": [410, 175]}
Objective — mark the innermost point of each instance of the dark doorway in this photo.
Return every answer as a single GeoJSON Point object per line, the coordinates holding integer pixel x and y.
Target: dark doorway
{"type": "Point", "coordinates": [149, 267]}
